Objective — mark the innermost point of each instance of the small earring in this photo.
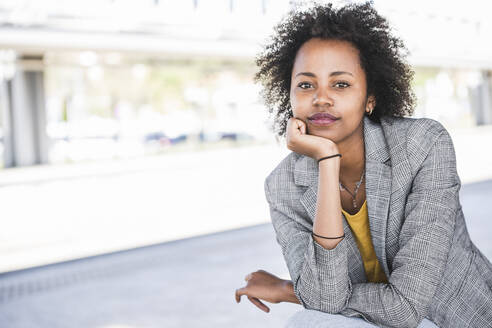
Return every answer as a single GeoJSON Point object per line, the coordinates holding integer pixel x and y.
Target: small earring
{"type": "Point", "coordinates": [370, 112]}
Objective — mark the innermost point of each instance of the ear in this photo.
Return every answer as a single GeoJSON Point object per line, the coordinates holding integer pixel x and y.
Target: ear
{"type": "Point", "coordinates": [370, 103]}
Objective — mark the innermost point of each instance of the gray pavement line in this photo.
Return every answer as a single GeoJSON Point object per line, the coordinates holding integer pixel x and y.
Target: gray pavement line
{"type": "Point", "coordinates": [20, 283]}
{"type": "Point", "coordinates": [15, 285]}
{"type": "Point", "coordinates": [46, 281]}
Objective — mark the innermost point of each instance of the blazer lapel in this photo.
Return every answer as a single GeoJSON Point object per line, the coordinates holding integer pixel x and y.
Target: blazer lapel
{"type": "Point", "coordinates": [378, 186]}
{"type": "Point", "coordinates": [378, 189]}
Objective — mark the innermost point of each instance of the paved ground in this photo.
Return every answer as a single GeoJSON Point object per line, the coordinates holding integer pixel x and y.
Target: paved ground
{"type": "Point", "coordinates": [185, 283]}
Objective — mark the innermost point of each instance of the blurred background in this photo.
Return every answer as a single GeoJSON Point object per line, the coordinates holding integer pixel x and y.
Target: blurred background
{"type": "Point", "coordinates": [126, 124]}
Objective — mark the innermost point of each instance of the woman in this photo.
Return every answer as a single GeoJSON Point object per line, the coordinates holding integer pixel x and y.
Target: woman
{"type": "Point", "coordinates": [366, 207]}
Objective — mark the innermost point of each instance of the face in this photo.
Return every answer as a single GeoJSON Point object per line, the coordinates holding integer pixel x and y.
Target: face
{"type": "Point", "coordinates": [328, 89]}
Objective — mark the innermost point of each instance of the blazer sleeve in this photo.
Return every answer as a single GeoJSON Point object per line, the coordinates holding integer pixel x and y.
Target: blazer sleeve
{"type": "Point", "coordinates": [319, 275]}
{"type": "Point", "coordinates": [424, 241]}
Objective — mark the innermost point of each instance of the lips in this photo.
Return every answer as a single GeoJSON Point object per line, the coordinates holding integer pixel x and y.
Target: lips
{"type": "Point", "coordinates": [322, 117]}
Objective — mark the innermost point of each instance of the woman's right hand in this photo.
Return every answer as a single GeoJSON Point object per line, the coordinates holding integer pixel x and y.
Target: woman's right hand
{"type": "Point", "coordinates": [306, 144]}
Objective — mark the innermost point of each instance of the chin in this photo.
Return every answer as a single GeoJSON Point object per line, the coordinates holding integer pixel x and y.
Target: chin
{"type": "Point", "coordinates": [324, 133]}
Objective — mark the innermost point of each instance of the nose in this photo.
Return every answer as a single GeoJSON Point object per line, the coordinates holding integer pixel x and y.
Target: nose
{"type": "Point", "coordinates": [322, 98]}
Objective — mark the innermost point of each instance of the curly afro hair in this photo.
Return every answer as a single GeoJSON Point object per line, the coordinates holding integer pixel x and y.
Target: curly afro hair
{"type": "Point", "coordinates": [382, 57]}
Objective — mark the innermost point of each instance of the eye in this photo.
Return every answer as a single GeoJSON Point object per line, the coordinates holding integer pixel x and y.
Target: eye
{"type": "Point", "coordinates": [342, 85]}
{"type": "Point", "coordinates": [304, 85]}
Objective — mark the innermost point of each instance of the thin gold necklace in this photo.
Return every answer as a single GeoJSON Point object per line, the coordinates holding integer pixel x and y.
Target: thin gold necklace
{"type": "Point", "coordinates": [357, 185]}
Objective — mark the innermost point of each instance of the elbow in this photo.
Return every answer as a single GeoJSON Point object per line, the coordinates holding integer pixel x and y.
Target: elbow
{"type": "Point", "coordinates": [336, 302]}
{"type": "Point", "coordinates": [324, 305]}
{"type": "Point", "coordinates": [333, 307]}
{"type": "Point", "coordinates": [312, 297]}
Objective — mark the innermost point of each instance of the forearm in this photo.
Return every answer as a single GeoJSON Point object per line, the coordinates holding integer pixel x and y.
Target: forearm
{"type": "Point", "coordinates": [328, 220]}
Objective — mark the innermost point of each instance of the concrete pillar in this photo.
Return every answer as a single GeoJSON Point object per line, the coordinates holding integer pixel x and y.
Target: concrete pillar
{"type": "Point", "coordinates": [6, 123]}
{"type": "Point", "coordinates": [26, 142]}
{"type": "Point", "coordinates": [481, 99]}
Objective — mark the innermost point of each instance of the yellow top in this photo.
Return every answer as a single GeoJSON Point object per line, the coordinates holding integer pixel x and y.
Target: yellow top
{"type": "Point", "coordinates": [359, 224]}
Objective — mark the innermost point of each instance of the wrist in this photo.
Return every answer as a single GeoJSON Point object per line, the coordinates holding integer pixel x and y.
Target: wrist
{"type": "Point", "coordinates": [327, 151]}
{"type": "Point", "coordinates": [329, 161]}
{"type": "Point", "coordinates": [288, 294]}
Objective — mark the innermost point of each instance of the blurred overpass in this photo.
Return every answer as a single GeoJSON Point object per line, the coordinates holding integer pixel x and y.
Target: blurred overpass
{"type": "Point", "coordinates": [437, 34]}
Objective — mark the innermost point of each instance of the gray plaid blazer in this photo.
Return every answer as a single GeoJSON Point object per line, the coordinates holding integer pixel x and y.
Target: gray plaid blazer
{"type": "Point", "coordinates": [417, 228]}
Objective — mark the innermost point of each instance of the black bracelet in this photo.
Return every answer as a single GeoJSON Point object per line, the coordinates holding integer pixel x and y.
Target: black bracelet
{"type": "Point", "coordinates": [343, 236]}
{"type": "Point", "coordinates": [322, 158]}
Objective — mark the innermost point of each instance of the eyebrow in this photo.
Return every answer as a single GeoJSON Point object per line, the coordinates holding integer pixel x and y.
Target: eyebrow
{"type": "Point", "coordinates": [331, 74]}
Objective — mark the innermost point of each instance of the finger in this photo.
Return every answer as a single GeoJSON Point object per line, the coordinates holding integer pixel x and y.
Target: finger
{"type": "Point", "coordinates": [239, 293]}
{"type": "Point", "coordinates": [303, 127]}
{"type": "Point", "coordinates": [259, 304]}
{"type": "Point", "coordinates": [299, 122]}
